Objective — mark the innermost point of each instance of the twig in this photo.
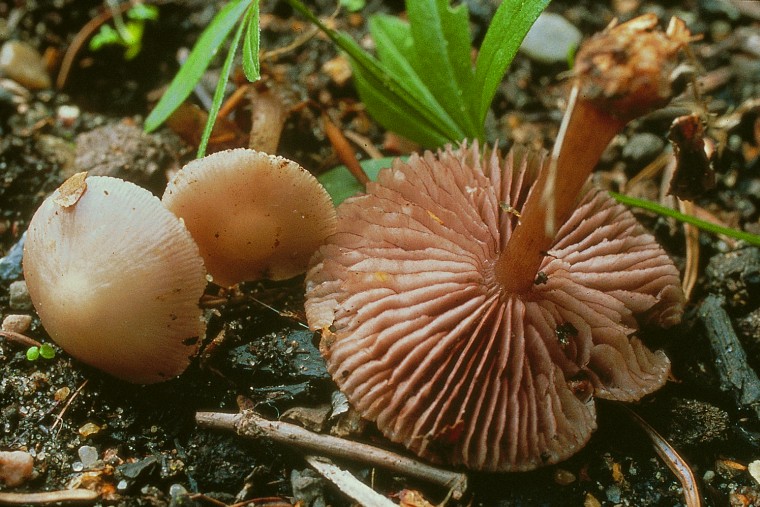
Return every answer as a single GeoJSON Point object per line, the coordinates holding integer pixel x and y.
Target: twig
{"type": "Point", "coordinates": [730, 359]}
{"type": "Point", "coordinates": [343, 150]}
{"type": "Point", "coordinates": [46, 497]}
{"type": "Point", "coordinates": [691, 271]}
{"type": "Point", "coordinates": [675, 462]}
{"type": "Point", "coordinates": [79, 40]}
{"type": "Point", "coordinates": [348, 484]}
{"type": "Point", "coordinates": [20, 338]}
{"type": "Point", "coordinates": [248, 424]}
{"type": "Point", "coordinates": [59, 417]}
{"type": "Point", "coordinates": [365, 144]}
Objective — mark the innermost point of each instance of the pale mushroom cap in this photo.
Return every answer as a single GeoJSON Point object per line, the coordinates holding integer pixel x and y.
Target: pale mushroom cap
{"type": "Point", "coordinates": [253, 215]}
{"type": "Point", "coordinates": [116, 279]}
{"type": "Point", "coordinates": [419, 336]}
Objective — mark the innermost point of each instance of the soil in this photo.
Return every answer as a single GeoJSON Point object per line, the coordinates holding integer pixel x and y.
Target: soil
{"type": "Point", "coordinates": [140, 445]}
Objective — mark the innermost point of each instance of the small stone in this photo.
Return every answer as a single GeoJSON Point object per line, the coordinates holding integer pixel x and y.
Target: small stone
{"type": "Point", "coordinates": [88, 429]}
{"type": "Point", "coordinates": [551, 39]}
{"type": "Point", "coordinates": [339, 70]}
{"type": "Point", "coordinates": [19, 296]}
{"type": "Point", "coordinates": [17, 323]}
{"type": "Point", "coordinates": [16, 467]}
{"type": "Point", "coordinates": [613, 493]}
{"type": "Point", "coordinates": [754, 470]}
{"type": "Point", "coordinates": [88, 455]}
{"type": "Point", "coordinates": [10, 265]}
{"type": "Point", "coordinates": [22, 63]}
{"type": "Point", "coordinates": [644, 147]}
{"type": "Point", "coordinates": [311, 418]}
{"type": "Point", "coordinates": [709, 476]}
{"type": "Point", "coordinates": [564, 477]}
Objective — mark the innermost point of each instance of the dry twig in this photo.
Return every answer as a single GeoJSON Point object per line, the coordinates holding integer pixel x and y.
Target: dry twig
{"type": "Point", "coordinates": [251, 425]}
{"type": "Point", "coordinates": [671, 458]}
{"type": "Point", "coordinates": [47, 497]}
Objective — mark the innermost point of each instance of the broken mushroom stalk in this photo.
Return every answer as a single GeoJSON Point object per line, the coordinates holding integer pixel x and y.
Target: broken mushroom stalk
{"type": "Point", "coordinates": [462, 324]}
{"type": "Point", "coordinates": [116, 276]}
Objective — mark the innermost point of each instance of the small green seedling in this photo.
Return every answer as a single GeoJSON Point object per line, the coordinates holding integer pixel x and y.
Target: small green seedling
{"type": "Point", "coordinates": [128, 34]}
{"type": "Point", "coordinates": [244, 14]}
{"type": "Point", "coordinates": [422, 84]}
{"type": "Point", "coordinates": [45, 351]}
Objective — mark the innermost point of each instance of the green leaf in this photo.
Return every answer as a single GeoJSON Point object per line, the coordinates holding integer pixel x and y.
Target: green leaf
{"type": "Point", "coordinates": [752, 239]}
{"type": "Point", "coordinates": [251, 66]}
{"type": "Point", "coordinates": [197, 62]}
{"type": "Point", "coordinates": [143, 12]}
{"type": "Point", "coordinates": [341, 184]}
{"type": "Point", "coordinates": [508, 28]}
{"type": "Point", "coordinates": [393, 38]}
{"type": "Point", "coordinates": [32, 353]}
{"type": "Point", "coordinates": [107, 35]}
{"type": "Point", "coordinates": [441, 56]}
{"type": "Point", "coordinates": [47, 351]}
{"type": "Point", "coordinates": [353, 5]}
{"type": "Point", "coordinates": [392, 90]}
{"type": "Point", "coordinates": [221, 85]}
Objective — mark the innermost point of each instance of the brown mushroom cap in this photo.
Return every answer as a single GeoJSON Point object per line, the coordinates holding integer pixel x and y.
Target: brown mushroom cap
{"type": "Point", "coordinates": [422, 339]}
{"type": "Point", "coordinates": [116, 279]}
{"type": "Point", "coordinates": [253, 215]}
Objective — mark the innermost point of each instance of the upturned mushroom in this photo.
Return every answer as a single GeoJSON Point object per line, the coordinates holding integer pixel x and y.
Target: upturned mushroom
{"type": "Point", "coordinates": [116, 278]}
{"type": "Point", "coordinates": [457, 318]}
{"type": "Point", "coordinates": [252, 215]}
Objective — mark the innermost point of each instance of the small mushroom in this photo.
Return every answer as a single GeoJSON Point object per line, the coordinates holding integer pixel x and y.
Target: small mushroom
{"type": "Point", "coordinates": [253, 215]}
{"type": "Point", "coordinates": [116, 278]}
{"type": "Point", "coordinates": [471, 350]}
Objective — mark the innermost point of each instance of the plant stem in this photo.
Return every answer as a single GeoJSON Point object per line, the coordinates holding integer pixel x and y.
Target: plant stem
{"type": "Point", "coordinates": [249, 424]}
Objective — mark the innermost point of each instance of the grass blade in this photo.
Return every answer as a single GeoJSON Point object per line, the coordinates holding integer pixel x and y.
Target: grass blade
{"type": "Point", "coordinates": [508, 28]}
{"type": "Point", "coordinates": [197, 62]}
{"type": "Point", "coordinates": [224, 76]}
{"type": "Point", "coordinates": [388, 86]}
{"type": "Point", "coordinates": [441, 56]}
{"type": "Point", "coordinates": [752, 239]}
{"type": "Point", "coordinates": [251, 66]}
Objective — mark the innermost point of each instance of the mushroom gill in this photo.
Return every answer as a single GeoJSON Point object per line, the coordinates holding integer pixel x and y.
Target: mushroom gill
{"type": "Point", "coordinates": [466, 329]}
{"type": "Point", "coordinates": [424, 341]}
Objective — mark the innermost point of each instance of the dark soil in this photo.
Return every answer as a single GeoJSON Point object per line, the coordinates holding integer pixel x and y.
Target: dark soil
{"type": "Point", "coordinates": [149, 450]}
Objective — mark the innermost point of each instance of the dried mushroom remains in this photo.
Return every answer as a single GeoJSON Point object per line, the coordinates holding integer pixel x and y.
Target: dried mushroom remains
{"type": "Point", "coordinates": [116, 278]}
{"type": "Point", "coordinates": [471, 346]}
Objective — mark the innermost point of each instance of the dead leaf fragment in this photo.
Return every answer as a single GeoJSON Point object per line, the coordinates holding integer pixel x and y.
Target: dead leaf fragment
{"type": "Point", "coordinates": [72, 189]}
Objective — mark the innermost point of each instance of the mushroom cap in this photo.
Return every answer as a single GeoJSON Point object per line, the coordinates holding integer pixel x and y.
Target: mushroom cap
{"type": "Point", "coordinates": [116, 279]}
{"type": "Point", "coordinates": [253, 215]}
{"type": "Point", "coordinates": [419, 336]}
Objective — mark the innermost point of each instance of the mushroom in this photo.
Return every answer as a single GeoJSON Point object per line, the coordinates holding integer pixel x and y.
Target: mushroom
{"type": "Point", "coordinates": [116, 278]}
{"type": "Point", "coordinates": [453, 315]}
{"type": "Point", "coordinates": [252, 215]}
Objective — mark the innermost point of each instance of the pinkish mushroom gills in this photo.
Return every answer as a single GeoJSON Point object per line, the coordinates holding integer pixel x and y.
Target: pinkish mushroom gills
{"type": "Point", "coordinates": [426, 334]}
{"type": "Point", "coordinates": [252, 215]}
{"type": "Point", "coordinates": [116, 279]}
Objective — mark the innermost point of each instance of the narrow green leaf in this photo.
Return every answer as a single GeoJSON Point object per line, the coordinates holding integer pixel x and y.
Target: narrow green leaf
{"type": "Point", "coordinates": [393, 116]}
{"type": "Point", "coordinates": [393, 39]}
{"type": "Point", "coordinates": [224, 77]}
{"type": "Point", "coordinates": [441, 56]}
{"type": "Point", "coordinates": [341, 184]}
{"type": "Point", "coordinates": [197, 62]}
{"type": "Point", "coordinates": [752, 239]}
{"type": "Point", "coordinates": [377, 76]}
{"type": "Point", "coordinates": [251, 44]}
{"type": "Point", "coordinates": [508, 28]}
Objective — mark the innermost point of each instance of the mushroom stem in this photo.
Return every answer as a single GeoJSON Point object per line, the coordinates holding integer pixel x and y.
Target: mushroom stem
{"type": "Point", "coordinates": [251, 425]}
{"type": "Point", "coordinates": [621, 74]}
{"type": "Point", "coordinates": [553, 199]}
